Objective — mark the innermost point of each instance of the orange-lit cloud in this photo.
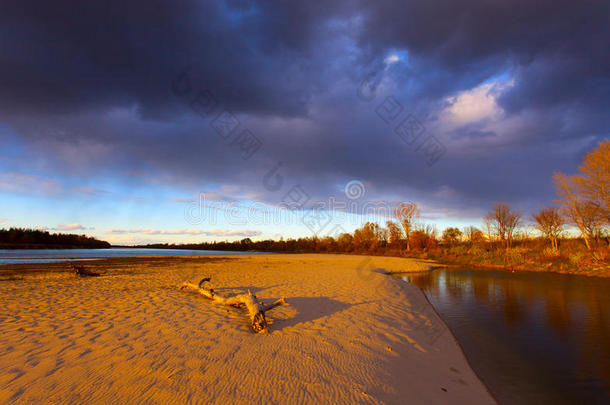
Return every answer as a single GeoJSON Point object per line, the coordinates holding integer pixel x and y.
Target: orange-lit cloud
{"type": "Point", "coordinates": [220, 232]}
{"type": "Point", "coordinates": [212, 232]}
{"type": "Point", "coordinates": [155, 232]}
{"type": "Point", "coordinates": [71, 227]}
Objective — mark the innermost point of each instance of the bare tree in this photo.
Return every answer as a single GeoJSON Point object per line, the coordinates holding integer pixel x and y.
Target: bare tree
{"type": "Point", "coordinates": [407, 214]}
{"type": "Point", "coordinates": [429, 230]}
{"type": "Point", "coordinates": [577, 210]}
{"type": "Point", "coordinates": [550, 223]}
{"type": "Point", "coordinates": [383, 236]}
{"type": "Point", "coordinates": [505, 222]}
{"type": "Point", "coordinates": [488, 220]}
{"type": "Point", "coordinates": [594, 220]}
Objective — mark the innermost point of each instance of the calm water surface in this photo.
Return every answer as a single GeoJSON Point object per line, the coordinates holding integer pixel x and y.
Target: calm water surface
{"type": "Point", "coordinates": [57, 255]}
{"type": "Point", "coordinates": [533, 338]}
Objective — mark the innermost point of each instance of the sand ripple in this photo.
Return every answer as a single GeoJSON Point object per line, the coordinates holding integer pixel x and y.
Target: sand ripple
{"type": "Point", "coordinates": [349, 335]}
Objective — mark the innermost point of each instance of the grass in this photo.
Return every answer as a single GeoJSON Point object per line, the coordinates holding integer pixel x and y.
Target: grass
{"type": "Point", "coordinates": [531, 255]}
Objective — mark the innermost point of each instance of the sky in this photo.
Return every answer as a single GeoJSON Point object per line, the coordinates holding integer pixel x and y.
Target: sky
{"type": "Point", "coordinates": [187, 121]}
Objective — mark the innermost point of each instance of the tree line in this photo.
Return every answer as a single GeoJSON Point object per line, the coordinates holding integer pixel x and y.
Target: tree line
{"type": "Point", "coordinates": [583, 201]}
{"type": "Point", "coordinates": [15, 238]}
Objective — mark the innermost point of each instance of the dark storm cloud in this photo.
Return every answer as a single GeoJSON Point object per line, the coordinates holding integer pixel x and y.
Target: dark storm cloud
{"type": "Point", "coordinates": [87, 85]}
{"type": "Point", "coordinates": [69, 54]}
{"type": "Point", "coordinates": [65, 55]}
{"type": "Point", "coordinates": [558, 49]}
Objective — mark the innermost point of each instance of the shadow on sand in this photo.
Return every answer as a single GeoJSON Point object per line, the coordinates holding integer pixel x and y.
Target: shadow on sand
{"type": "Point", "coordinates": [310, 309]}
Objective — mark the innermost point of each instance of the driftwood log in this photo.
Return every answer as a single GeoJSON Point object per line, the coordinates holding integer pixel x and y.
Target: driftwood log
{"type": "Point", "coordinates": [256, 309]}
{"type": "Point", "coordinates": [82, 271]}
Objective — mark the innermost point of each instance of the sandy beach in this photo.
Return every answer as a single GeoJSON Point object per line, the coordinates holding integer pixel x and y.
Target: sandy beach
{"type": "Point", "coordinates": [349, 334]}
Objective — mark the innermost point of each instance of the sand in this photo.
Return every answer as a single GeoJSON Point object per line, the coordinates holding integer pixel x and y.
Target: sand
{"type": "Point", "coordinates": [350, 334]}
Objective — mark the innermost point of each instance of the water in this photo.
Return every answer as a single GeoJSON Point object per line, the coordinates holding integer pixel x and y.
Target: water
{"type": "Point", "coordinates": [533, 338]}
{"type": "Point", "coordinates": [59, 255]}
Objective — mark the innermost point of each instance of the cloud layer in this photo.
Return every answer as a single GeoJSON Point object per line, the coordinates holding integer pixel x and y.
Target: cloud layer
{"type": "Point", "coordinates": [212, 232]}
{"type": "Point", "coordinates": [513, 91]}
{"type": "Point", "coordinates": [71, 227]}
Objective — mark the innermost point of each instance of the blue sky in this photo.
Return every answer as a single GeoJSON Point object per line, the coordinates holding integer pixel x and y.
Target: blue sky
{"type": "Point", "coordinates": [115, 117]}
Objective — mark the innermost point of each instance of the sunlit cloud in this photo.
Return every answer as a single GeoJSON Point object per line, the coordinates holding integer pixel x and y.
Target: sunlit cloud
{"type": "Point", "coordinates": [394, 57]}
{"type": "Point", "coordinates": [220, 232]}
{"type": "Point", "coordinates": [155, 232]}
{"type": "Point", "coordinates": [71, 227]}
{"type": "Point", "coordinates": [212, 232]}
{"type": "Point", "coordinates": [127, 240]}
{"type": "Point", "coordinates": [391, 59]}
{"type": "Point", "coordinates": [183, 232]}
{"type": "Point", "coordinates": [473, 105]}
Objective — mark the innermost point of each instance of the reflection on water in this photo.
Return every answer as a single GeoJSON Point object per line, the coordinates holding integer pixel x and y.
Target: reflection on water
{"type": "Point", "coordinates": [532, 337]}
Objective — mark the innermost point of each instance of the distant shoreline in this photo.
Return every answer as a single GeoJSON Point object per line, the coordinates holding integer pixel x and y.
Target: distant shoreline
{"type": "Point", "coordinates": [463, 260]}
{"type": "Point", "coordinates": [47, 247]}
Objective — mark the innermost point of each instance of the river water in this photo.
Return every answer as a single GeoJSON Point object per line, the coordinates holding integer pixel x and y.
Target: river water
{"type": "Point", "coordinates": [9, 256]}
{"type": "Point", "coordinates": [533, 338]}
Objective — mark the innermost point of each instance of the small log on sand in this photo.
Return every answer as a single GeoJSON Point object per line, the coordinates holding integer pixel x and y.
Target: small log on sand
{"type": "Point", "coordinates": [83, 272]}
{"type": "Point", "coordinates": [256, 309]}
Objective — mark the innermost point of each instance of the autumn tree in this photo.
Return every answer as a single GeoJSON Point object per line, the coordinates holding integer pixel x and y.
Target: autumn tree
{"type": "Point", "coordinates": [421, 240]}
{"type": "Point", "coordinates": [345, 242]}
{"type": "Point", "coordinates": [406, 214]}
{"type": "Point", "coordinates": [473, 234]}
{"type": "Point", "coordinates": [505, 221]}
{"type": "Point", "coordinates": [424, 237]}
{"type": "Point", "coordinates": [395, 234]}
{"type": "Point", "coordinates": [593, 183]}
{"type": "Point", "coordinates": [451, 235]}
{"type": "Point", "coordinates": [328, 244]}
{"type": "Point", "coordinates": [550, 223]}
{"type": "Point", "coordinates": [366, 238]}
{"type": "Point", "coordinates": [585, 197]}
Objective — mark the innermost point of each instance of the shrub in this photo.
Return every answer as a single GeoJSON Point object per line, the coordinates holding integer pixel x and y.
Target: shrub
{"type": "Point", "coordinates": [550, 253]}
{"type": "Point", "coordinates": [421, 240]}
{"type": "Point", "coordinates": [459, 250]}
{"type": "Point", "coordinates": [576, 258]}
{"type": "Point", "coordinates": [516, 255]}
{"type": "Point", "coordinates": [477, 251]}
{"type": "Point", "coordinates": [601, 255]}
